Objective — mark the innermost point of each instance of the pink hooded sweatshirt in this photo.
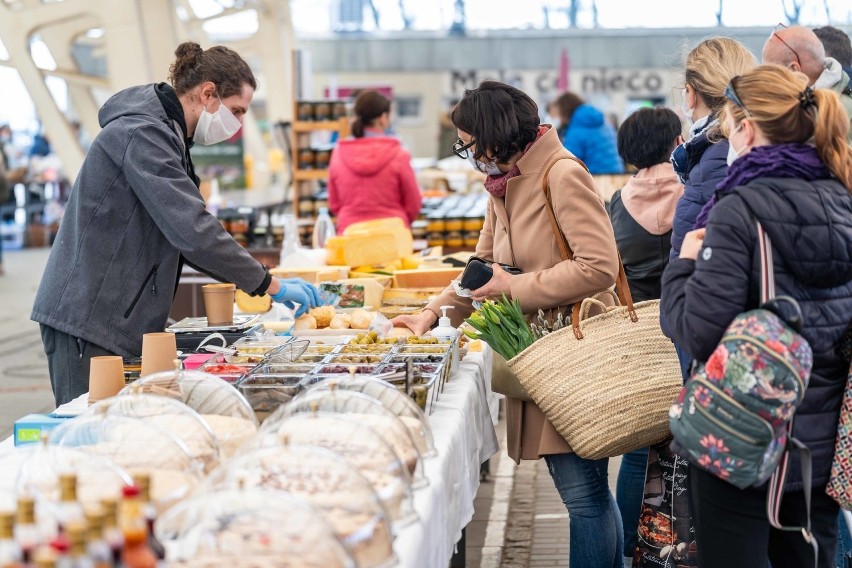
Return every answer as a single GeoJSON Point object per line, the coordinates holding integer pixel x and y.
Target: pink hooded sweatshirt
{"type": "Point", "coordinates": [371, 178]}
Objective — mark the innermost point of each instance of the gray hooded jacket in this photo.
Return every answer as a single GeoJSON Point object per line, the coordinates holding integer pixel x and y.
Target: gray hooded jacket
{"type": "Point", "coordinates": [132, 213]}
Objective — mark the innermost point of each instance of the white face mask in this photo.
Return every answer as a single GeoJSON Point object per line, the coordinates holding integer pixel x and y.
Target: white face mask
{"type": "Point", "coordinates": [687, 111]}
{"type": "Point", "coordinates": [490, 167]}
{"type": "Point", "coordinates": [215, 127]}
{"type": "Point", "coordinates": [733, 153]}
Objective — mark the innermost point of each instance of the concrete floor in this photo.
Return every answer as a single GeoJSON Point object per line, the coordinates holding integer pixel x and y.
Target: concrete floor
{"type": "Point", "coordinates": [24, 382]}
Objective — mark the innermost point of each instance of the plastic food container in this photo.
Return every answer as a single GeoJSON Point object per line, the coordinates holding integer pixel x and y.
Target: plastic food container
{"type": "Point", "coordinates": [346, 369]}
{"type": "Point", "coordinates": [171, 415]}
{"type": "Point", "coordinates": [40, 468]}
{"type": "Point", "coordinates": [249, 527]}
{"type": "Point", "coordinates": [136, 446]}
{"type": "Point", "coordinates": [225, 410]}
{"type": "Point", "coordinates": [394, 400]}
{"type": "Point", "coordinates": [356, 359]}
{"type": "Point", "coordinates": [360, 445]}
{"type": "Point", "coordinates": [369, 412]}
{"type": "Point", "coordinates": [266, 393]}
{"type": "Point", "coordinates": [344, 497]}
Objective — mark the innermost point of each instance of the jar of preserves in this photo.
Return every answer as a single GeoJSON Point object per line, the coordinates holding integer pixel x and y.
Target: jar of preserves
{"type": "Point", "coordinates": [305, 111]}
{"type": "Point", "coordinates": [322, 111]}
{"type": "Point", "coordinates": [306, 207]}
{"type": "Point", "coordinates": [454, 239]}
{"type": "Point", "coordinates": [473, 223]}
{"type": "Point", "coordinates": [322, 158]}
{"type": "Point", "coordinates": [436, 224]}
{"type": "Point", "coordinates": [338, 110]}
{"type": "Point", "coordinates": [453, 223]}
{"type": "Point", "coordinates": [435, 239]}
{"type": "Point", "coordinates": [306, 159]}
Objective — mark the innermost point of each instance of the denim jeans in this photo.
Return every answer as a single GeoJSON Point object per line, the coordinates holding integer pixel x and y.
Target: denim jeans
{"type": "Point", "coordinates": [844, 542]}
{"type": "Point", "coordinates": [629, 492]}
{"type": "Point", "coordinates": [685, 360]}
{"type": "Point", "coordinates": [596, 533]}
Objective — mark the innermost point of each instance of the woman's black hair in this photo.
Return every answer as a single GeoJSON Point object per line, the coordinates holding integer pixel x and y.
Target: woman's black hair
{"type": "Point", "coordinates": [501, 119]}
{"type": "Point", "coordinates": [646, 137]}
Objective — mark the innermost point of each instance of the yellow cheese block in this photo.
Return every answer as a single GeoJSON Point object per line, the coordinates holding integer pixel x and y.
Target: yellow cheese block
{"type": "Point", "coordinates": [253, 304]}
{"type": "Point", "coordinates": [411, 262]}
{"type": "Point", "coordinates": [313, 274]}
{"type": "Point", "coordinates": [410, 296]}
{"type": "Point", "coordinates": [361, 249]}
{"type": "Point", "coordinates": [383, 279]}
{"type": "Point", "coordinates": [393, 225]}
{"type": "Point", "coordinates": [425, 277]}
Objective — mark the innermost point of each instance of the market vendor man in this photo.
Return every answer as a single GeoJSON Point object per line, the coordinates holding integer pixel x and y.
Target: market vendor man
{"type": "Point", "coordinates": [135, 215]}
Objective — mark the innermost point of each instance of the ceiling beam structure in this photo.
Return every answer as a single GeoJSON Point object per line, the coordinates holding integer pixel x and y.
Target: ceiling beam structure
{"type": "Point", "coordinates": [138, 43]}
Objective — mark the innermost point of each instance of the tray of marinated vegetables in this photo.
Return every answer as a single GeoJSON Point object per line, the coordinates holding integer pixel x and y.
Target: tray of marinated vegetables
{"type": "Point", "coordinates": [417, 366]}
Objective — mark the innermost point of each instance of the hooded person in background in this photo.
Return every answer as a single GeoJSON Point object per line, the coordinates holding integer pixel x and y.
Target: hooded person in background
{"type": "Point", "coordinates": [136, 214]}
{"type": "Point", "coordinates": [799, 49]}
{"type": "Point", "coordinates": [370, 175]}
{"type": "Point", "coordinates": [642, 213]}
{"type": "Point", "coordinates": [586, 133]}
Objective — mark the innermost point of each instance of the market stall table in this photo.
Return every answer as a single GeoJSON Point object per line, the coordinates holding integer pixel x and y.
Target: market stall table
{"type": "Point", "coordinates": [462, 422]}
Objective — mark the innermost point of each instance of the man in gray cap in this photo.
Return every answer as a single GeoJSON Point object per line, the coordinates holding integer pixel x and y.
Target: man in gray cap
{"type": "Point", "coordinates": [800, 49]}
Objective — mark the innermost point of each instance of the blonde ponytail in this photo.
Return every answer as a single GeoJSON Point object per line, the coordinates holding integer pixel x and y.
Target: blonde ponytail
{"type": "Point", "coordinates": [780, 102]}
{"type": "Point", "coordinates": [831, 128]}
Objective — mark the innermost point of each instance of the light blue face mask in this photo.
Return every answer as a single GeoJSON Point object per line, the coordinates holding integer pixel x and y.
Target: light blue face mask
{"type": "Point", "coordinates": [490, 167]}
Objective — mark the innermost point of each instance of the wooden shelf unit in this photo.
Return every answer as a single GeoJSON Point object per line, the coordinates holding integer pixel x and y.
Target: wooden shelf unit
{"type": "Point", "coordinates": [311, 175]}
{"type": "Point", "coordinates": [303, 179]}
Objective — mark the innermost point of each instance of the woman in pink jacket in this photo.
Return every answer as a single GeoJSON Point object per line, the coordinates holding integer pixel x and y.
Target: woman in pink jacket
{"type": "Point", "coordinates": [370, 175]}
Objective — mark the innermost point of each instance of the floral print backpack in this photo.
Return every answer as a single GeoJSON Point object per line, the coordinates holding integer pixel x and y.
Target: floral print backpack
{"type": "Point", "coordinates": [734, 415]}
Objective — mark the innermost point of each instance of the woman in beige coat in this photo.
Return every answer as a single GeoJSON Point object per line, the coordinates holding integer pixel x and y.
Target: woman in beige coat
{"type": "Point", "coordinates": [499, 132]}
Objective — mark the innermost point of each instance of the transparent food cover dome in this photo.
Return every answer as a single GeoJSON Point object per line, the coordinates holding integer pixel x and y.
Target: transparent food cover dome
{"type": "Point", "coordinates": [367, 411]}
{"type": "Point", "coordinates": [38, 475]}
{"type": "Point", "coordinates": [138, 447]}
{"type": "Point", "coordinates": [359, 445]}
{"type": "Point", "coordinates": [249, 527]}
{"type": "Point", "coordinates": [225, 410]}
{"type": "Point", "coordinates": [170, 415]}
{"type": "Point", "coordinates": [393, 399]}
{"type": "Point", "coordinates": [326, 481]}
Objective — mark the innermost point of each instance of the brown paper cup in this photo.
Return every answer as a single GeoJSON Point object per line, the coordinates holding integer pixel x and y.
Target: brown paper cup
{"type": "Point", "coordinates": [219, 303]}
{"type": "Point", "coordinates": [159, 351]}
{"type": "Point", "coordinates": [106, 377]}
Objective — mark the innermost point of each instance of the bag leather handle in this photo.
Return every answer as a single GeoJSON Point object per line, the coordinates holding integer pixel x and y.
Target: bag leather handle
{"type": "Point", "coordinates": [621, 285]}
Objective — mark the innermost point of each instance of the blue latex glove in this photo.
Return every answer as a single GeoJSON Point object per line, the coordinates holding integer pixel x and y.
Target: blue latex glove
{"type": "Point", "coordinates": [297, 291]}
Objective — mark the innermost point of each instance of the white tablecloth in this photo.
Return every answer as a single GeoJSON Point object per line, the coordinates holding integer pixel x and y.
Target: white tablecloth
{"type": "Point", "coordinates": [463, 426]}
{"type": "Point", "coordinates": [462, 422]}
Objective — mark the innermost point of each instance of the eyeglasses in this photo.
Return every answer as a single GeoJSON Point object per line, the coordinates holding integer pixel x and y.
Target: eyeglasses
{"type": "Point", "coordinates": [775, 33]}
{"type": "Point", "coordinates": [460, 149]}
{"type": "Point", "coordinates": [732, 96]}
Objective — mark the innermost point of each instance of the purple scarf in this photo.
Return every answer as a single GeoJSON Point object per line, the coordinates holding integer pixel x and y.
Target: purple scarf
{"type": "Point", "coordinates": [793, 160]}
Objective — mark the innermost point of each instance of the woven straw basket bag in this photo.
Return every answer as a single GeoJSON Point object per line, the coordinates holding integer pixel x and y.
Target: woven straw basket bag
{"type": "Point", "coordinates": [608, 382]}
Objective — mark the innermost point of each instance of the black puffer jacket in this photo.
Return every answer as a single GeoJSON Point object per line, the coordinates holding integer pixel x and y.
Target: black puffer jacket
{"type": "Point", "coordinates": [810, 225]}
